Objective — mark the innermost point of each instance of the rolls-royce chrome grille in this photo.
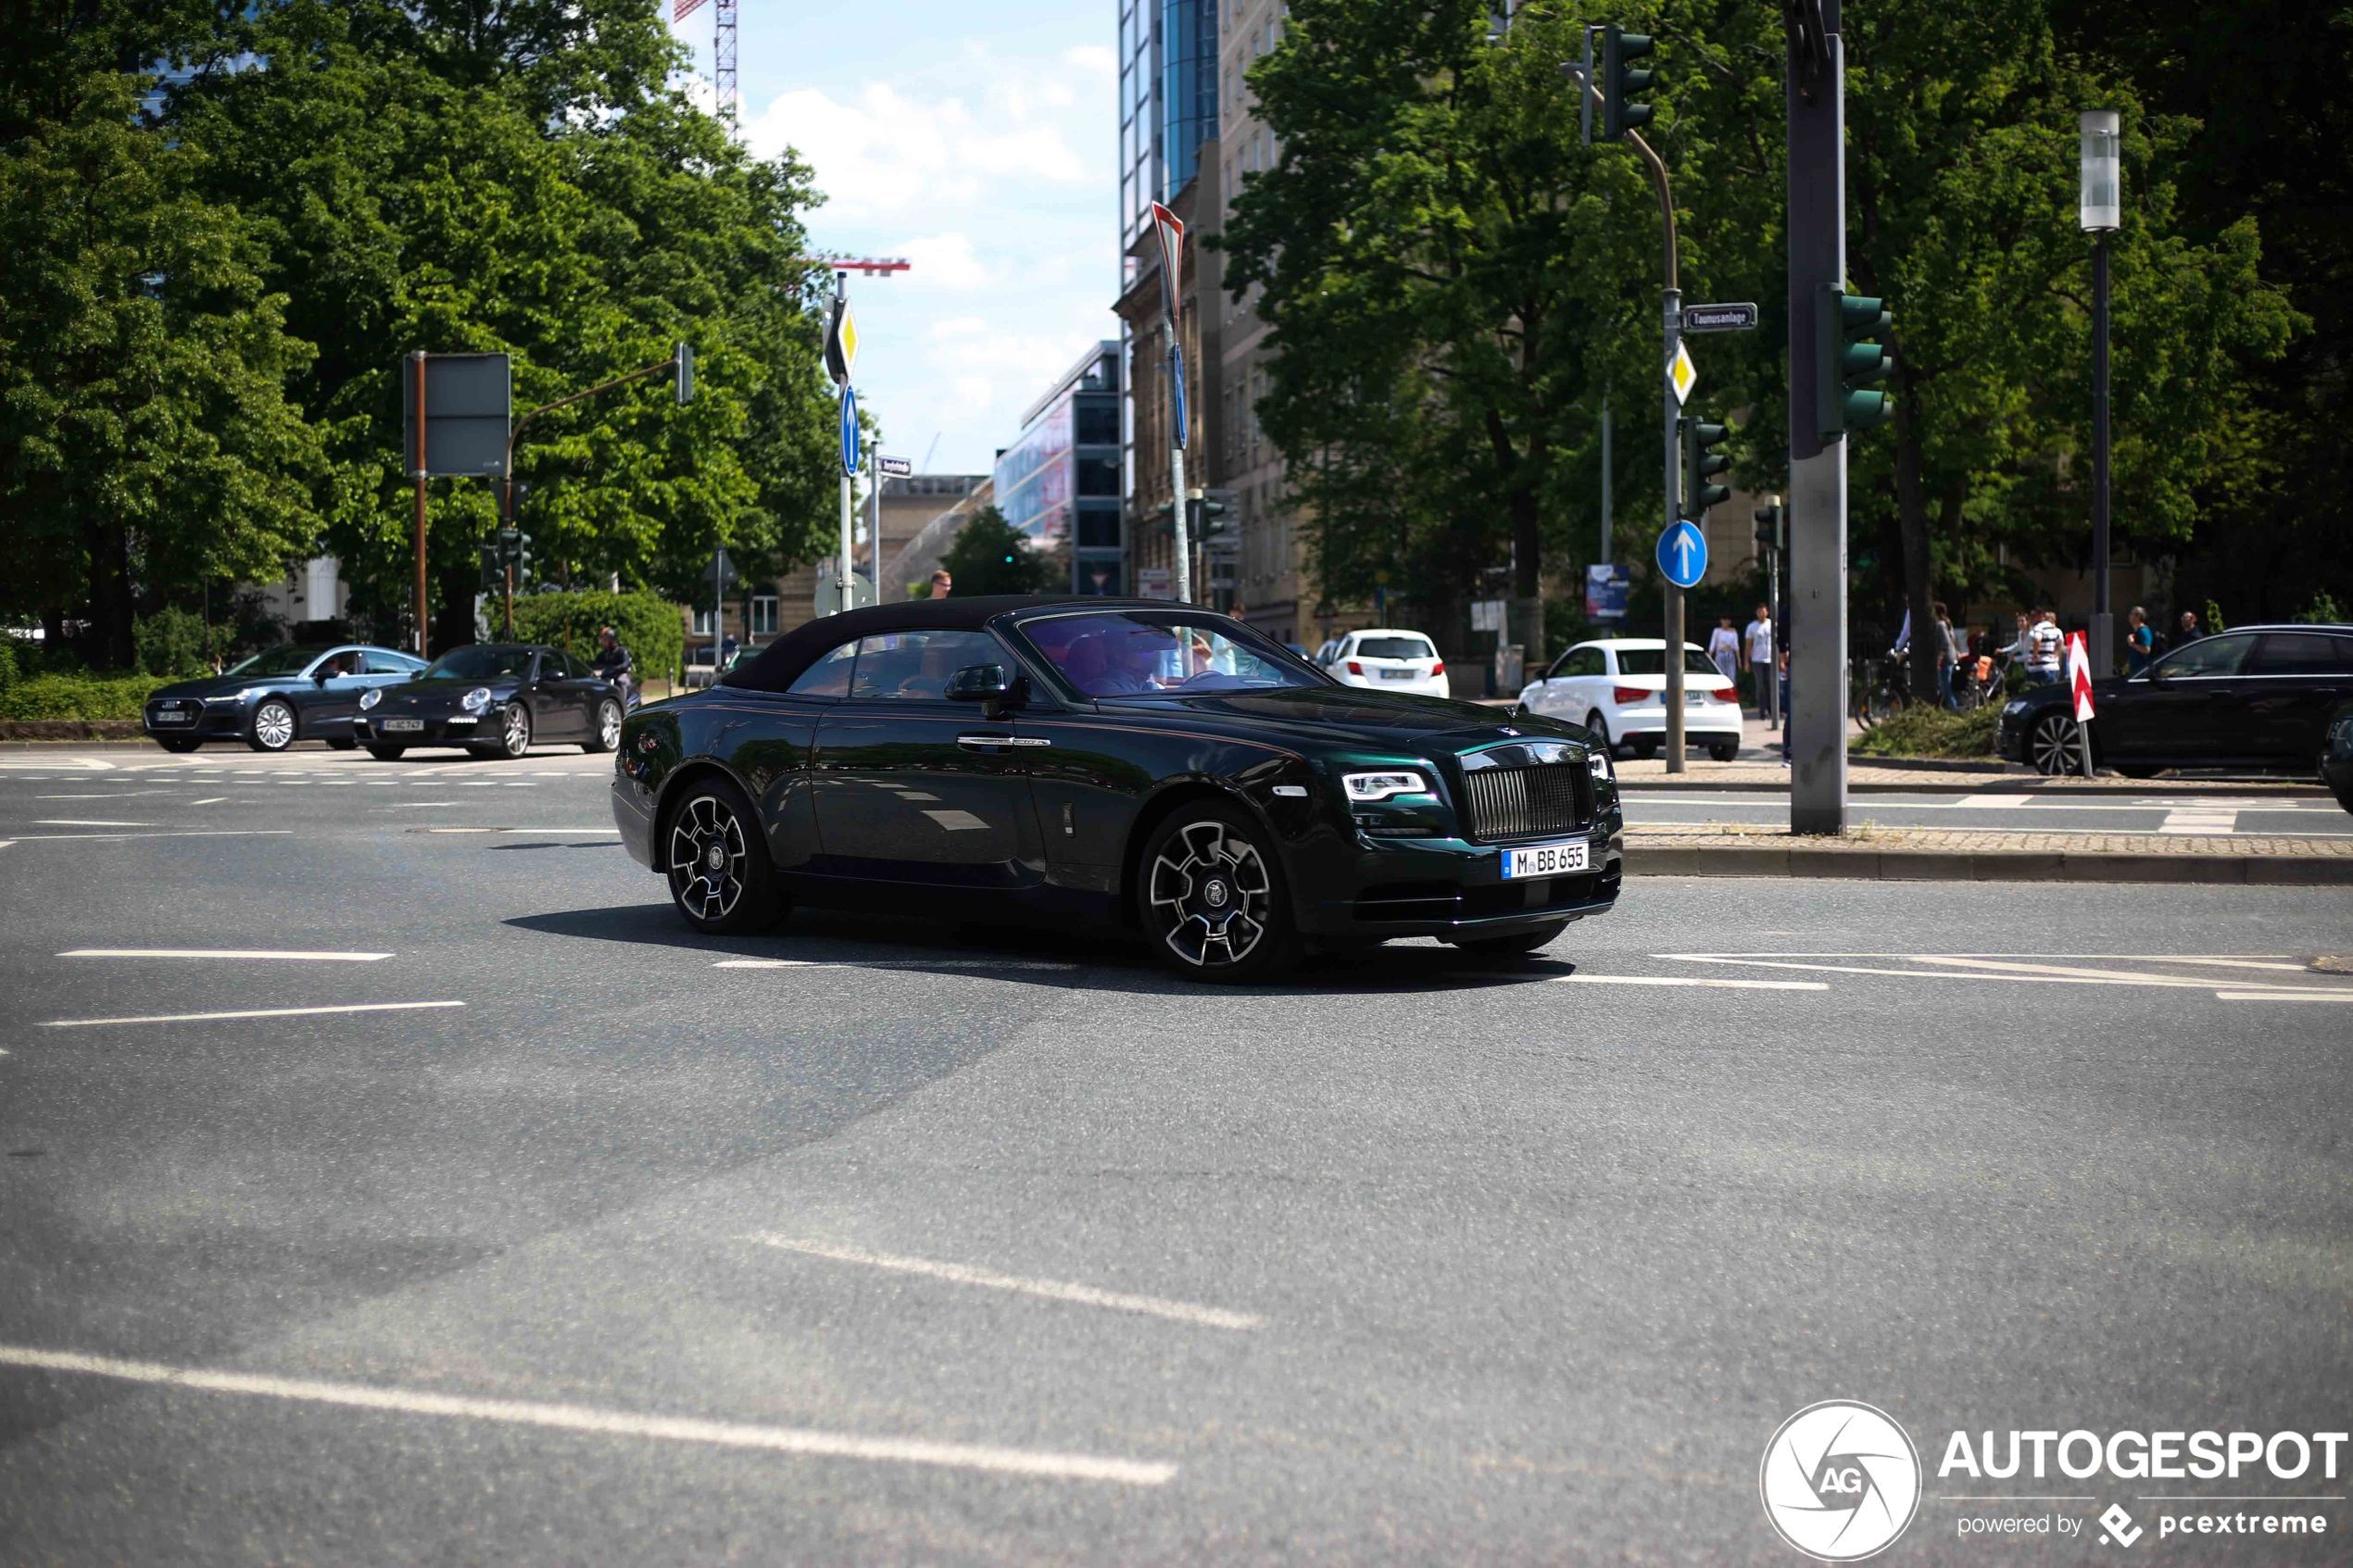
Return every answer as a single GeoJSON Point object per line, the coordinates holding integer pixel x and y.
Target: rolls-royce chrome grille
{"type": "Point", "coordinates": [1521, 802]}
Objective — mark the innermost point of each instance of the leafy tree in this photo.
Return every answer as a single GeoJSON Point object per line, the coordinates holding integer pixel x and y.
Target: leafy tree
{"type": "Point", "coordinates": [990, 556]}
{"type": "Point", "coordinates": [144, 433]}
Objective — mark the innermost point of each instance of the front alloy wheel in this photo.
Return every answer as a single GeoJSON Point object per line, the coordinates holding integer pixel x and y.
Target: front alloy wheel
{"type": "Point", "coordinates": [718, 864]}
{"type": "Point", "coordinates": [608, 730]}
{"type": "Point", "coordinates": [514, 730]}
{"type": "Point", "coordinates": [2052, 748]}
{"type": "Point", "coordinates": [273, 725]}
{"type": "Point", "coordinates": [1211, 900]}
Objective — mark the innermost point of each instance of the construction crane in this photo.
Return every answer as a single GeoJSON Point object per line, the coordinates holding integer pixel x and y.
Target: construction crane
{"type": "Point", "coordinates": [723, 54]}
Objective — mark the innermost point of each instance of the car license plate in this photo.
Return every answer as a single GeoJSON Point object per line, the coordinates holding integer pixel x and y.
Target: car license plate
{"type": "Point", "coordinates": [391, 725]}
{"type": "Point", "coordinates": [172, 716]}
{"type": "Point", "coordinates": [1398, 674]}
{"type": "Point", "coordinates": [1545, 859]}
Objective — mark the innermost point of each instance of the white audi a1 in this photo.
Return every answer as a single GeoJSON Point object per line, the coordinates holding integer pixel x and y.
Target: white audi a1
{"type": "Point", "coordinates": [1617, 687]}
{"type": "Point", "coordinates": [1385, 658]}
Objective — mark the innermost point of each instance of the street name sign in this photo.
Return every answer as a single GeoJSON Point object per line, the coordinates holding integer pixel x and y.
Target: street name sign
{"type": "Point", "coordinates": [1682, 554]}
{"type": "Point", "coordinates": [894, 468]}
{"type": "Point", "coordinates": [468, 404]}
{"type": "Point", "coordinates": [1719, 317]}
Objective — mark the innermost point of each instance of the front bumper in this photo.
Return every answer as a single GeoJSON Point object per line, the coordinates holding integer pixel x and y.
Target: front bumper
{"type": "Point", "coordinates": [198, 720]}
{"type": "Point", "coordinates": [633, 814]}
{"type": "Point", "coordinates": [1452, 887]}
{"type": "Point", "coordinates": [458, 729]}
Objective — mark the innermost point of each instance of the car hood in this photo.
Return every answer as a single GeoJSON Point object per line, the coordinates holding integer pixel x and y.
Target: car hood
{"type": "Point", "coordinates": [1352, 716]}
{"type": "Point", "coordinates": [228, 685]}
{"type": "Point", "coordinates": [443, 693]}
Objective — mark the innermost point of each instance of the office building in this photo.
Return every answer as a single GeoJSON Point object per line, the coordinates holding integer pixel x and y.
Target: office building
{"type": "Point", "coordinates": [1059, 483]}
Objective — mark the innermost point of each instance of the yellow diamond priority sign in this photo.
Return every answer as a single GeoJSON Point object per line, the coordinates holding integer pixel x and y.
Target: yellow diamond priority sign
{"type": "Point", "coordinates": [1682, 374]}
{"type": "Point", "coordinates": [841, 344]}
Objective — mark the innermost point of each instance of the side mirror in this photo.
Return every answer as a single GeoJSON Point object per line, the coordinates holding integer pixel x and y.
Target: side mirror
{"type": "Point", "coordinates": [988, 684]}
{"type": "Point", "coordinates": [325, 673]}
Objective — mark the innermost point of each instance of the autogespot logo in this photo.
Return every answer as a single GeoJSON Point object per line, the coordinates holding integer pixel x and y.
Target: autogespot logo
{"type": "Point", "coordinates": [1840, 1481]}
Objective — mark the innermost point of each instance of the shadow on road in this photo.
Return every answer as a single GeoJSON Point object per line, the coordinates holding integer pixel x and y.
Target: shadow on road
{"type": "Point", "coordinates": [1105, 963]}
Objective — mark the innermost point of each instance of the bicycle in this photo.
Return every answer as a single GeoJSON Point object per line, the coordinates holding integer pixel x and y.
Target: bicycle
{"type": "Point", "coordinates": [1872, 697]}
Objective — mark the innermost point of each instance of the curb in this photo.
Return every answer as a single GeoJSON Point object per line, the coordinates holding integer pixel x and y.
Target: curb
{"type": "Point", "coordinates": [2021, 865]}
{"type": "Point", "coordinates": [2031, 783]}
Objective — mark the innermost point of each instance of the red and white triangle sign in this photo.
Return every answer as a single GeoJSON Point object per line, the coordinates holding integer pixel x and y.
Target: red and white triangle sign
{"type": "Point", "coordinates": [1171, 229]}
{"type": "Point", "coordinates": [2079, 677]}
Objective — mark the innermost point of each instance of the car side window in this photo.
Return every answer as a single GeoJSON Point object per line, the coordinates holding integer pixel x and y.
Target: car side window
{"type": "Point", "coordinates": [829, 676]}
{"type": "Point", "coordinates": [914, 666]}
{"type": "Point", "coordinates": [381, 663]}
{"type": "Point", "coordinates": [2297, 653]}
{"type": "Point", "coordinates": [1579, 662]}
{"type": "Point", "coordinates": [2205, 659]}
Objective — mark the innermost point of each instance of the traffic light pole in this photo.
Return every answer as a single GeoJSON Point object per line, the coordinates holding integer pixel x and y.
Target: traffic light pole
{"type": "Point", "coordinates": [2102, 638]}
{"type": "Point", "coordinates": [1817, 720]}
{"type": "Point", "coordinates": [1671, 323]}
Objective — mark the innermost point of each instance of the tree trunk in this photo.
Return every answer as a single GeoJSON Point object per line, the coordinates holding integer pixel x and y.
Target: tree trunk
{"type": "Point", "coordinates": [109, 640]}
{"type": "Point", "coordinates": [1911, 501]}
{"type": "Point", "coordinates": [453, 623]}
{"type": "Point", "coordinates": [1527, 579]}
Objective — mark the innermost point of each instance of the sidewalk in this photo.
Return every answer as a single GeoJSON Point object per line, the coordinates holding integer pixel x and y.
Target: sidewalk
{"type": "Point", "coordinates": [1971, 855]}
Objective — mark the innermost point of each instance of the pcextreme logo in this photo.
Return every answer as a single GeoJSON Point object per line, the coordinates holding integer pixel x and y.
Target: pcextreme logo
{"type": "Point", "coordinates": [1841, 1480]}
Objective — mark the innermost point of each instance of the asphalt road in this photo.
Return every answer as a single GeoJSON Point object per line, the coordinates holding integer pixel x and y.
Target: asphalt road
{"type": "Point", "coordinates": [924, 1243]}
{"type": "Point", "coordinates": [1996, 809]}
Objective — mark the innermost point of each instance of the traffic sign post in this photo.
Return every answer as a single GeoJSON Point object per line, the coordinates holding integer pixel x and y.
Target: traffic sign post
{"type": "Point", "coordinates": [1682, 554]}
{"type": "Point", "coordinates": [1171, 230]}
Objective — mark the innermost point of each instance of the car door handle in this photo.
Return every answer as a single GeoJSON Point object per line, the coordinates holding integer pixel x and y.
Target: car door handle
{"type": "Point", "coordinates": [990, 742]}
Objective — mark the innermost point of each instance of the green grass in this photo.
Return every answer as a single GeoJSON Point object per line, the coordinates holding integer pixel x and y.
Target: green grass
{"type": "Point", "coordinates": [1926, 730]}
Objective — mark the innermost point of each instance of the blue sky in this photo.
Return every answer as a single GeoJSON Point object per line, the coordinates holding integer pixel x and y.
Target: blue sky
{"type": "Point", "coordinates": [981, 142]}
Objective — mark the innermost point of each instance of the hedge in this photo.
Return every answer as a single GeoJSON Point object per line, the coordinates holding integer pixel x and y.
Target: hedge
{"type": "Point", "coordinates": [650, 626]}
{"type": "Point", "coordinates": [78, 696]}
{"type": "Point", "coordinates": [1926, 730]}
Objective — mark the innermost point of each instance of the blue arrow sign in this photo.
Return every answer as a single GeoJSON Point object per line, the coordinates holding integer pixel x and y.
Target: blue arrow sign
{"type": "Point", "coordinates": [848, 433]}
{"type": "Point", "coordinates": [1682, 554]}
{"type": "Point", "coordinates": [1177, 384]}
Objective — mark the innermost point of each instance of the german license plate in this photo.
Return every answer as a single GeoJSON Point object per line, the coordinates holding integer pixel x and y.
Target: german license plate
{"type": "Point", "coordinates": [172, 716]}
{"type": "Point", "coordinates": [1545, 859]}
{"type": "Point", "coordinates": [389, 725]}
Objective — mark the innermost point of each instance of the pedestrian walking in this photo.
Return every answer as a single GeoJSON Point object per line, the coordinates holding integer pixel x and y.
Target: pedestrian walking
{"type": "Point", "coordinates": [2140, 642]}
{"type": "Point", "coordinates": [2187, 632]}
{"type": "Point", "coordinates": [1758, 658]}
{"type": "Point", "coordinates": [1947, 657]}
{"type": "Point", "coordinates": [1724, 651]}
{"type": "Point", "coordinates": [2047, 646]}
{"type": "Point", "coordinates": [941, 582]}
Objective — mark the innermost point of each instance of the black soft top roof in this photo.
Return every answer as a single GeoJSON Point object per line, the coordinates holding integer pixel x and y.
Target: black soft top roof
{"type": "Point", "coordinates": [781, 663]}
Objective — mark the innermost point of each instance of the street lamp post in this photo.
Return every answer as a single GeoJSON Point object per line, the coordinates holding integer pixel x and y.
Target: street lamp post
{"type": "Point", "coordinates": [2101, 214]}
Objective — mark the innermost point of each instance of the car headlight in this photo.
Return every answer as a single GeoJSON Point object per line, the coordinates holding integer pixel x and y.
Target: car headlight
{"type": "Point", "coordinates": [475, 700]}
{"type": "Point", "coordinates": [1384, 786]}
{"type": "Point", "coordinates": [1597, 763]}
{"type": "Point", "coordinates": [370, 697]}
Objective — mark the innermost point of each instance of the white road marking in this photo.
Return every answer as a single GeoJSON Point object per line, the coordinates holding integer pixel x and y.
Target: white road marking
{"type": "Point", "coordinates": [220, 953]}
{"type": "Point", "coordinates": [260, 1012]}
{"type": "Point", "coordinates": [614, 832]}
{"type": "Point", "coordinates": [118, 794]}
{"type": "Point", "coordinates": [83, 823]}
{"type": "Point", "coordinates": [1689, 980]}
{"type": "Point", "coordinates": [2199, 819]}
{"type": "Point", "coordinates": [215, 800]}
{"type": "Point", "coordinates": [204, 833]}
{"type": "Point", "coordinates": [884, 963]}
{"type": "Point", "coordinates": [2229, 963]}
{"type": "Point", "coordinates": [956, 822]}
{"type": "Point", "coordinates": [1039, 1463]}
{"type": "Point", "coordinates": [1049, 1289]}
{"type": "Point", "coordinates": [2343, 994]}
{"type": "Point", "coordinates": [1986, 969]}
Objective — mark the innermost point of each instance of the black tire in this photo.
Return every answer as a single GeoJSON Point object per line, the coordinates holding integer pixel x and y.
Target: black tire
{"type": "Point", "coordinates": [1212, 899]}
{"type": "Point", "coordinates": [1519, 942]}
{"type": "Point", "coordinates": [274, 726]}
{"type": "Point", "coordinates": [387, 753]}
{"type": "Point", "coordinates": [179, 745]}
{"type": "Point", "coordinates": [2051, 747]}
{"type": "Point", "coordinates": [1723, 750]}
{"type": "Point", "coordinates": [2138, 772]}
{"type": "Point", "coordinates": [715, 859]}
{"type": "Point", "coordinates": [1599, 727]}
{"type": "Point", "coordinates": [604, 728]}
{"type": "Point", "coordinates": [514, 733]}
{"type": "Point", "coordinates": [1645, 747]}
{"type": "Point", "coordinates": [343, 743]}
{"type": "Point", "coordinates": [2344, 794]}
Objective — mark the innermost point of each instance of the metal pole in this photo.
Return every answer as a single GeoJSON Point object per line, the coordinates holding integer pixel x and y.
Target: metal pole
{"type": "Point", "coordinates": [1773, 613]}
{"type": "Point", "coordinates": [1609, 508]}
{"type": "Point", "coordinates": [511, 601]}
{"type": "Point", "coordinates": [419, 358]}
{"type": "Point", "coordinates": [1179, 505]}
{"type": "Point", "coordinates": [1671, 328]}
{"type": "Point", "coordinates": [1816, 611]}
{"type": "Point", "coordinates": [2103, 641]}
{"type": "Point", "coordinates": [718, 606]}
{"type": "Point", "coordinates": [841, 291]}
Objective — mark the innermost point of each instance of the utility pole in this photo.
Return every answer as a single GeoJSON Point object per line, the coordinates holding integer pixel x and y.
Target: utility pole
{"type": "Point", "coordinates": [1817, 724]}
{"type": "Point", "coordinates": [418, 469]}
{"type": "Point", "coordinates": [1171, 229]}
{"type": "Point", "coordinates": [2101, 213]}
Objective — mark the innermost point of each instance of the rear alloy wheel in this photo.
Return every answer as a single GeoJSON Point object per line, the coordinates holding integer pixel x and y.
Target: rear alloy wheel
{"type": "Point", "coordinates": [1724, 750]}
{"type": "Point", "coordinates": [2051, 746]}
{"type": "Point", "coordinates": [273, 725]}
{"type": "Point", "coordinates": [717, 862]}
{"type": "Point", "coordinates": [607, 729]}
{"type": "Point", "coordinates": [1519, 942]}
{"type": "Point", "coordinates": [514, 732]}
{"type": "Point", "coordinates": [1212, 901]}
{"type": "Point", "coordinates": [387, 753]}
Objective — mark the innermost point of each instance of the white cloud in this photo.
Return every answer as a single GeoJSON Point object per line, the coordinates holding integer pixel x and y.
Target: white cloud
{"type": "Point", "coordinates": [945, 261]}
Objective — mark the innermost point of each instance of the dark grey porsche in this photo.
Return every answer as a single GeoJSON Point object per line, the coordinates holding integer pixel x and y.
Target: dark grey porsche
{"type": "Point", "coordinates": [496, 699]}
{"type": "Point", "coordinates": [1095, 763]}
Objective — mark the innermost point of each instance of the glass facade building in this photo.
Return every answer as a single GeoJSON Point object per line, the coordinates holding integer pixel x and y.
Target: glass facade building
{"type": "Point", "coordinates": [1059, 483]}
{"type": "Point", "coordinates": [1168, 101]}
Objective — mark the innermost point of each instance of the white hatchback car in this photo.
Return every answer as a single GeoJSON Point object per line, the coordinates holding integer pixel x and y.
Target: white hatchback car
{"type": "Point", "coordinates": [1616, 688]}
{"type": "Point", "coordinates": [1385, 658]}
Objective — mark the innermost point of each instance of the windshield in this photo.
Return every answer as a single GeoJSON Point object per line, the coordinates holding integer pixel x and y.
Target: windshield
{"type": "Point", "coordinates": [480, 661]}
{"type": "Point", "coordinates": [277, 661]}
{"type": "Point", "coordinates": [1145, 653]}
{"type": "Point", "coordinates": [1394, 648]}
{"type": "Point", "coordinates": [1653, 661]}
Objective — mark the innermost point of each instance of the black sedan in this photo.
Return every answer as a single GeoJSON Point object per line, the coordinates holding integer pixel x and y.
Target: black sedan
{"type": "Point", "coordinates": [496, 699]}
{"type": "Point", "coordinates": [1102, 763]}
{"type": "Point", "coordinates": [277, 697]}
{"type": "Point", "coordinates": [2261, 697]}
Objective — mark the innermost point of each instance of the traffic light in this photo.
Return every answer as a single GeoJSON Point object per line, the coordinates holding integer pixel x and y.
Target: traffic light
{"type": "Point", "coordinates": [1844, 368]}
{"type": "Point", "coordinates": [1620, 82]}
{"type": "Point", "coordinates": [522, 557]}
{"type": "Point", "coordinates": [1701, 462]}
{"type": "Point", "coordinates": [494, 570]}
{"type": "Point", "coordinates": [1214, 512]}
{"type": "Point", "coordinates": [684, 359]}
{"type": "Point", "coordinates": [1768, 529]}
